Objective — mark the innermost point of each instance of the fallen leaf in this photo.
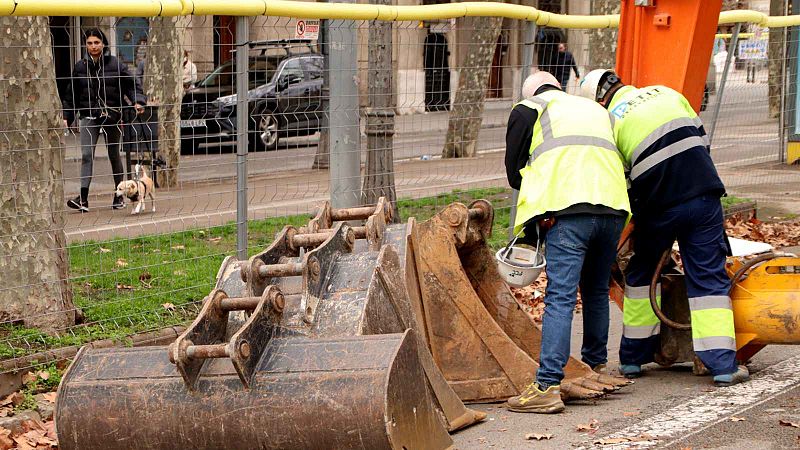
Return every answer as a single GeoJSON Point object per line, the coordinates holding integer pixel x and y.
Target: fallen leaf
{"type": "Point", "coordinates": [124, 287]}
{"type": "Point", "coordinates": [43, 374]}
{"type": "Point", "coordinates": [214, 239]}
{"type": "Point", "coordinates": [122, 263]}
{"type": "Point", "coordinates": [631, 413]}
{"type": "Point", "coordinates": [178, 247]}
{"type": "Point", "coordinates": [105, 250]}
{"type": "Point", "coordinates": [538, 437]}
{"type": "Point", "coordinates": [169, 306]}
{"type": "Point", "coordinates": [28, 378]}
{"type": "Point", "coordinates": [156, 250]}
{"type": "Point", "coordinates": [50, 396]}
{"type": "Point", "coordinates": [16, 398]}
{"type": "Point", "coordinates": [144, 276]}
{"type": "Point", "coordinates": [788, 424]}
{"type": "Point", "coordinates": [737, 419]}
{"type": "Point", "coordinates": [6, 442]}
{"type": "Point", "coordinates": [591, 426]}
{"type": "Point", "coordinates": [179, 273]}
{"type": "Point", "coordinates": [611, 441]}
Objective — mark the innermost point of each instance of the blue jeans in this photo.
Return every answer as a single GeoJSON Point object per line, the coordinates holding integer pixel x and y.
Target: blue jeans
{"type": "Point", "coordinates": [580, 251]}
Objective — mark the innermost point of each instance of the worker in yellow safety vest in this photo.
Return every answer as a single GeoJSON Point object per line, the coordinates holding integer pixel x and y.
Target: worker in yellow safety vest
{"type": "Point", "coordinates": [675, 193]}
{"type": "Point", "coordinates": [560, 155]}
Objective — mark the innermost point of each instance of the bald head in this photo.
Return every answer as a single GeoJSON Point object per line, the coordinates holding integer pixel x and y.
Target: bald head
{"type": "Point", "coordinates": [537, 80]}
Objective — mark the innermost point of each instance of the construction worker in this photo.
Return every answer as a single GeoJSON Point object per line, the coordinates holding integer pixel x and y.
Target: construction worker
{"type": "Point", "coordinates": [560, 155]}
{"type": "Point", "coordinates": [675, 193]}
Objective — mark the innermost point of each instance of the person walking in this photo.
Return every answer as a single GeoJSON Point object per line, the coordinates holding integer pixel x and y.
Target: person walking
{"type": "Point", "coordinates": [560, 155]}
{"type": "Point", "coordinates": [98, 90]}
{"type": "Point", "coordinates": [675, 193]}
{"type": "Point", "coordinates": [565, 63]}
{"type": "Point", "coordinates": [189, 71]}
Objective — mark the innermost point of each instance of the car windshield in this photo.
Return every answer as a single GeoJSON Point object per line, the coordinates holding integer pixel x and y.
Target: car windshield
{"type": "Point", "coordinates": [261, 72]}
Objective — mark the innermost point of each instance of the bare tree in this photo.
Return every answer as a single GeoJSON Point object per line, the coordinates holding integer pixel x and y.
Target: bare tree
{"type": "Point", "coordinates": [603, 41]}
{"type": "Point", "coordinates": [34, 263]}
{"type": "Point", "coordinates": [164, 87]}
{"type": "Point", "coordinates": [775, 57]}
{"type": "Point", "coordinates": [480, 34]}
{"type": "Point", "coordinates": [379, 177]}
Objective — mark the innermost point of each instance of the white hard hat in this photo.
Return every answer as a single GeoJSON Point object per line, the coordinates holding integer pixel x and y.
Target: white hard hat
{"type": "Point", "coordinates": [591, 87]}
{"type": "Point", "coordinates": [537, 80]}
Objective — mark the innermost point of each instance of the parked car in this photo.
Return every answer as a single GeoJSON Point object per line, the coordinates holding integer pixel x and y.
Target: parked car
{"type": "Point", "coordinates": [284, 98]}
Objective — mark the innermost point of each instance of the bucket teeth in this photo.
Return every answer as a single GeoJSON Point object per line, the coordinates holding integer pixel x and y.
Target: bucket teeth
{"type": "Point", "coordinates": [573, 390]}
{"type": "Point", "coordinates": [612, 380]}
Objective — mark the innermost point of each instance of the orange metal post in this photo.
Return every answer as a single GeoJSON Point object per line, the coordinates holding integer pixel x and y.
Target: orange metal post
{"type": "Point", "coordinates": [667, 42]}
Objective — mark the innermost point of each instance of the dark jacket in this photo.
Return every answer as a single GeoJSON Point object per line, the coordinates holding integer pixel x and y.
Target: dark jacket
{"type": "Point", "coordinates": [98, 88]}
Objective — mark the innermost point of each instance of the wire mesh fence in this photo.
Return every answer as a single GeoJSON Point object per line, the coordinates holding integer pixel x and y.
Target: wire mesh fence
{"type": "Point", "coordinates": [339, 109]}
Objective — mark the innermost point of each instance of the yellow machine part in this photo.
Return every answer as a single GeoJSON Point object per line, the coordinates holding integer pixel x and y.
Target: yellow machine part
{"type": "Point", "coordinates": [766, 303]}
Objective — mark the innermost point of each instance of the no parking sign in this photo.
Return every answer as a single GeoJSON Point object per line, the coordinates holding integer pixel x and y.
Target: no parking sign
{"type": "Point", "coordinates": [306, 29]}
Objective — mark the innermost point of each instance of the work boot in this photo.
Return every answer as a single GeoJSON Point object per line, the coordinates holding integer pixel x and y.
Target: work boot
{"type": "Point", "coordinates": [729, 379]}
{"type": "Point", "coordinates": [534, 400]}
{"type": "Point", "coordinates": [630, 370]}
{"type": "Point", "coordinates": [77, 203]}
{"type": "Point", "coordinates": [118, 202]}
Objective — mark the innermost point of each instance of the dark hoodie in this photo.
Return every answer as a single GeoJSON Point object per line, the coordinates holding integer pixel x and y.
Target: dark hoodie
{"type": "Point", "coordinates": [100, 88]}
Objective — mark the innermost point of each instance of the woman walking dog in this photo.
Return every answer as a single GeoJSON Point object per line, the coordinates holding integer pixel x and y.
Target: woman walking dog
{"type": "Point", "coordinates": [100, 86]}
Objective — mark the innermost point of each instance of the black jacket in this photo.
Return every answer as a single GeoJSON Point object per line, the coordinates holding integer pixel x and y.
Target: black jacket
{"type": "Point", "coordinates": [102, 87]}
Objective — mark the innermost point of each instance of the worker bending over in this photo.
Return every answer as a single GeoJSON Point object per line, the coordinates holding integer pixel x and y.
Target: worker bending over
{"type": "Point", "coordinates": [560, 155]}
{"type": "Point", "coordinates": [675, 193]}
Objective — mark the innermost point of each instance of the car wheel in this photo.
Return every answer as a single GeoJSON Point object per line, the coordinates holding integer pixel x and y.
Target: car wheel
{"type": "Point", "coordinates": [265, 135]}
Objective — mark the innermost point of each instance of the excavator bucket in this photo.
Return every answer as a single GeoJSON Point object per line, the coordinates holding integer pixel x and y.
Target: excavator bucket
{"type": "Point", "coordinates": [488, 346]}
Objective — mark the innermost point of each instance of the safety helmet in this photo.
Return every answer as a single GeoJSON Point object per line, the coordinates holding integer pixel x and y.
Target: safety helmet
{"type": "Point", "coordinates": [596, 84]}
{"type": "Point", "coordinates": [537, 80]}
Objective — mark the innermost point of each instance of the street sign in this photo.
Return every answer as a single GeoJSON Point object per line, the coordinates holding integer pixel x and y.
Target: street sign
{"type": "Point", "coordinates": [306, 28]}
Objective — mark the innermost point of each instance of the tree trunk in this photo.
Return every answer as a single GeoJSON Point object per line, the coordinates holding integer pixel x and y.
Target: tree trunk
{"type": "Point", "coordinates": [379, 177]}
{"type": "Point", "coordinates": [603, 41]}
{"type": "Point", "coordinates": [34, 263]}
{"type": "Point", "coordinates": [467, 114]}
{"type": "Point", "coordinates": [775, 57]}
{"type": "Point", "coordinates": [164, 87]}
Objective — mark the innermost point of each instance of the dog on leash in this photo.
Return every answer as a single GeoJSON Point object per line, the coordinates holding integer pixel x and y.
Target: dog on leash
{"type": "Point", "coordinates": [137, 189]}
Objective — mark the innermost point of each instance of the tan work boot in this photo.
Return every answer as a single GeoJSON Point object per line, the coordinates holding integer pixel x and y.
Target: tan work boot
{"type": "Point", "coordinates": [534, 400]}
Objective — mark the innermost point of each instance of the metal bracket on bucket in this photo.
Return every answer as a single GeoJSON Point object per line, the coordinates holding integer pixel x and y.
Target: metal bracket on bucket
{"type": "Point", "coordinates": [203, 339]}
{"type": "Point", "coordinates": [375, 218]}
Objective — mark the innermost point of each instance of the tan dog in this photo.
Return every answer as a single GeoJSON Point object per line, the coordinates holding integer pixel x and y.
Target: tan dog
{"type": "Point", "coordinates": [136, 190]}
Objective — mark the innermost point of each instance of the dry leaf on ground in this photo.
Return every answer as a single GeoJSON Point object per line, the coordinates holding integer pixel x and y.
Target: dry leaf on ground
{"type": "Point", "coordinates": [611, 441]}
{"type": "Point", "coordinates": [593, 425]}
{"type": "Point", "coordinates": [122, 263]}
{"type": "Point", "coordinates": [27, 378]}
{"type": "Point", "coordinates": [538, 437]}
{"type": "Point", "coordinates": [6, 442]}
{"type": "Point", "coordinates": [178, 247]}
{"type": "Point", "coordinates": [214, 239]}
{"type": "Point", "coordinates": [169, 306]}
{"type": "Point", "coordinates": [630, 413]}
{"type": "Point", "coordinates": [50, 396]}
{"type": "Point", "coordinates": [105, 250]}
{"type": "Point", "coordinates": [124, 287]}
{"type": "Point", "coordinates": [43, 374]}
{"type": "Point", "coordinates": [789, 424]}
{"type": "Point", "coordinates": [16, 398]}
{"type": "Point", "coordinates": [737, 419]}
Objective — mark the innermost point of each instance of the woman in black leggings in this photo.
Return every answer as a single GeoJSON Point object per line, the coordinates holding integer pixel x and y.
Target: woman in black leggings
{"type": "Point", "coordinates": [100, 86]}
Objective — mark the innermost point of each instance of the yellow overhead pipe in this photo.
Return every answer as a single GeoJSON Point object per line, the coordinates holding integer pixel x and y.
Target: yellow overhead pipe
{"type": "Point", "coordinates": [348, 11]}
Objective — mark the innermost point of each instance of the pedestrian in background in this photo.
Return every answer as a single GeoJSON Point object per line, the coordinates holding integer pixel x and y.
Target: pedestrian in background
{"type": "Point", "coordinates": [99, 88]}
{"type": "Point", "coordinates": [189, 71]}
{"type": "Point", "coordinates": [560, 154]}
{"type": "Point", "coordinates": [565, 63]}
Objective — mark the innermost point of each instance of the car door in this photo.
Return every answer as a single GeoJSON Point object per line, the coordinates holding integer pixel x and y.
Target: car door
{"type": "Point", "coordinates": [314, 67]}
{"type": "Point", "coordinates": [291, 94]}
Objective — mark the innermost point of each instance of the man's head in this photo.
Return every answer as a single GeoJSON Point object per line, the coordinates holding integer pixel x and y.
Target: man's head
{"type": "Point", "coordinates": [537, 80]}
{"type": "Point", "coordinates": [562, 47]}
{"type": "Point", "coordinates": [600, 85]}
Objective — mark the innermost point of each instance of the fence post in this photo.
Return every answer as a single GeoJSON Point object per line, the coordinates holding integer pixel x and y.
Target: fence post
{"type": "Point", "coordinates": [721, 89]}
{"type": "Point", "coordinates": [527, 62]}
{"type": "Point", "coordinates": [345, 146]}
{"type": "Point", "coordinates": [242, 116]}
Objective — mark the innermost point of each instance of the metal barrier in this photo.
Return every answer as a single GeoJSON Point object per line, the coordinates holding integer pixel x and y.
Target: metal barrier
{"type": "Point", "coordinates": [408, 102]}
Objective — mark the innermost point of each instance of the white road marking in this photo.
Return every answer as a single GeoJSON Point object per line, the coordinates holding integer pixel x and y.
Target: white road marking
{"type": "Point", "coordinates": [686, 420]}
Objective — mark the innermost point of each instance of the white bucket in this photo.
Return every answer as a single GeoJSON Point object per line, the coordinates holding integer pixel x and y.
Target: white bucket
{"type": "Point", "coordinates": [521, 266]}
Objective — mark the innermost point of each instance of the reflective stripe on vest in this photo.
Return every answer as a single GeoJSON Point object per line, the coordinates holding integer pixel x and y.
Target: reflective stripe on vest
{"type": "Point", "coordinates": [550, 143]}
{"type": "Point", "coordinates": [654, 105]}
{"type": "Point", "coordinates": [712, 323]}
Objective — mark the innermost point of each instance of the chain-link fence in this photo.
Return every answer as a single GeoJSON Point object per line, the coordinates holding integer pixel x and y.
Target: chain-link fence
{"type": "Point", "coordinates": [340, 110]}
